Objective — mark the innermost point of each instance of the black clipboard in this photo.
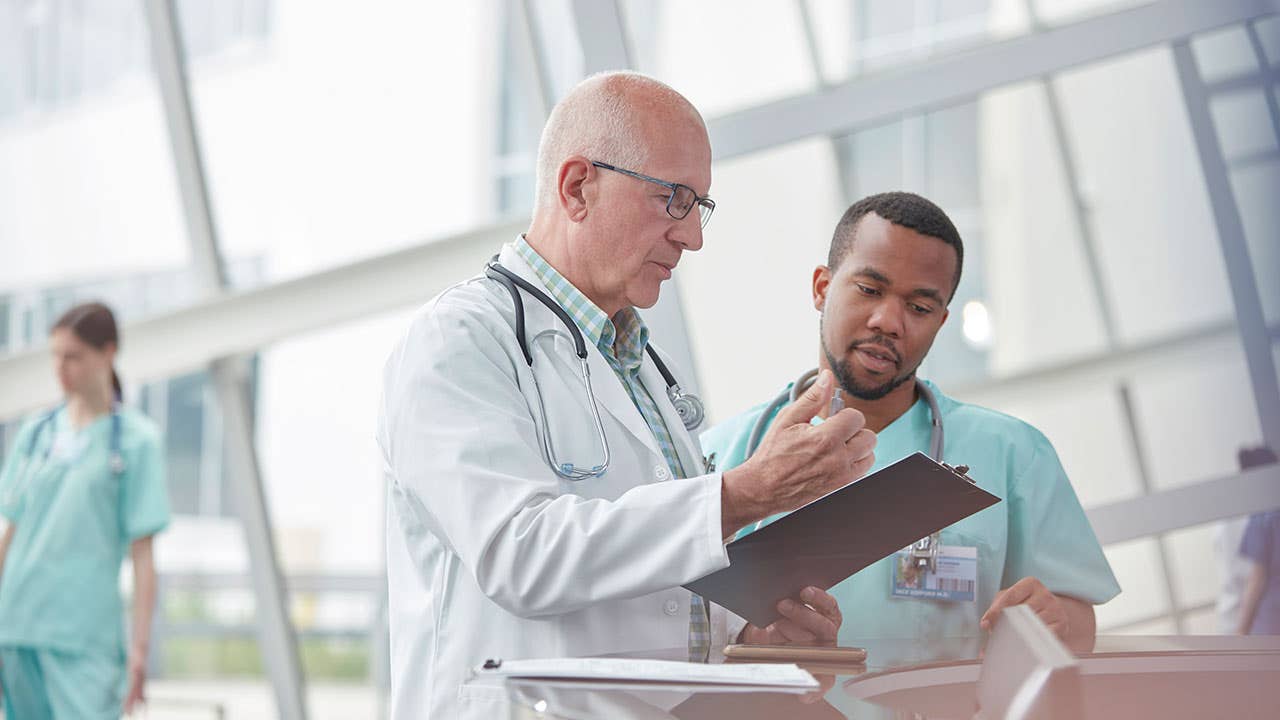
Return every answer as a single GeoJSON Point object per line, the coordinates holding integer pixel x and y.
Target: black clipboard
{"type": "Point", "coordinates": [837, 535]}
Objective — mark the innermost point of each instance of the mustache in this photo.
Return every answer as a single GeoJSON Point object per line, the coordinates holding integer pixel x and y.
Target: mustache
{"type": "Point", "coordinates": [880, 341]}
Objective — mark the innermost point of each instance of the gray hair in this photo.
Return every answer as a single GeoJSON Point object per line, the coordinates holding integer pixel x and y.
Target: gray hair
{"type": "Point", "coordinates": [598, 119]}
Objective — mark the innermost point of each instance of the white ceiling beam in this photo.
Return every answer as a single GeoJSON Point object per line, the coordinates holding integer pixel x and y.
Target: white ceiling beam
{"type": "Point", "coordinates": [246, 321]}
{"type": "Point", "coordinates": [1255, 490]}
{"type": "Point", "coordinates": [959, 77]}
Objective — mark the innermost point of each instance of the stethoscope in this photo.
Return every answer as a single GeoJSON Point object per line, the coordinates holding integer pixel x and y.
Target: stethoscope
{"type": "Point", "coordinates": [925, 550]}
{"type": "Point", "coordinates": [687, 405]}
{"type": "Point", "coordinates": [805, 381]}
{"type": "Point", "coordinates": [115, 462]}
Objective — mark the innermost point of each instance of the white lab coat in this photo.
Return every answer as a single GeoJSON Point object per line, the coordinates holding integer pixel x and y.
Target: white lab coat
{"type": "Point", "coordinates": [489, 553]}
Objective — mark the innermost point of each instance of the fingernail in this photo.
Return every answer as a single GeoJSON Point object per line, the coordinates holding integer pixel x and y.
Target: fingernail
{"type": "Point", "coordinates": [787, 604]}
{"type": "Point", "coordinates": [808, 594]}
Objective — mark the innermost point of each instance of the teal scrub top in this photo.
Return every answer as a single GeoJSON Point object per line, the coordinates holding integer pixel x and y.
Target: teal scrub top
{"type": "Point", "coordinates": [74, 521]}
{"type": "Point", "coordinates": [1038, 530]}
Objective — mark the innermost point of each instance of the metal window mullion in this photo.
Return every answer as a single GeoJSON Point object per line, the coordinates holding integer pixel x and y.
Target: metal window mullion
{"type": "Point", "coordinates": [1254, 334]}
{"type": "Point", "coordinates": [277, 639]}
{"type": "Point", "coordinates": [602, 36]}
{"type": "Point", "coordinates": [1079, 209]}
{"type": "Point", "coordinates": [841, 146]}
{"type": "Point", "coordinates": [530, 49]}
{"type": "Point", "coordinates": [1264, 67]}
{"type": "Point", "coordinates": [1144, 479]}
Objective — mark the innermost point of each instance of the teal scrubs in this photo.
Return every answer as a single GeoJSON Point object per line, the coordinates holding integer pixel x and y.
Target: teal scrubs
{"type": "Point", "coordinates": [1038, 530]}
{"type": "Point", "coordinates": [61, 615]}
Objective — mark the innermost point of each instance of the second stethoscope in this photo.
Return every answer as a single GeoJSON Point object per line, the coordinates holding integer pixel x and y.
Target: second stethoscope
{"type": "Point", "coordinates": [116, 456]}
{"type": "Point", "coordinates": [924, 550]}
{"type": "Point", "coordinates": [687, 405]}
{"type": "Point", "coordinates": [805, 381]}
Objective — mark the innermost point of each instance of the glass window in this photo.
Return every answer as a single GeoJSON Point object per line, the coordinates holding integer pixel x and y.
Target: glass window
{"type": "Point", "coordinates": [1061, 12]}
{"type": "Point", "coordinates": [1096, 453]}
{"type": "Point", "coordinates": [1156, 239]}
{"type": "Point", "coordinates": [1195, 413]}
{"type": "Point", "coordinates": [351, 134]}
{"type": "Point", "coordinates": [1037, 282]}
{"type": "Point", "coordinates": [863, 36]}
{"type": "Point", "coordinates": [1243, 125]}
{"type": "Point", "coordinates": [1202, 621]}
{"type": "Point", "coordinates": [316, 411]}
{"type": "Point", "coordinates": [1192, 561]}
{"type": "Point", "coordinates": [184, 435]}
{"type": "Point", "coordinates": [1256, 189]}
{"type": "Point", "coordinates": [5, 311]}
{"type": "Point", "coordinates": [519, 125]}
{"type": "Point", "coordinates": [88, 196]}
{"type": "Point", "coordinates": [1269, 33]}
{"type": "Point", "coordinates": [1224, 54]}
{"type": "Point", "coordinates": [703, 49]}
{"type": "Point", "coordinates": [1143, 596]}
{"type": "Point", "coordinates": [749, 286]}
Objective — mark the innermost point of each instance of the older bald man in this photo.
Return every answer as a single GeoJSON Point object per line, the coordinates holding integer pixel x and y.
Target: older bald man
{"type": "Point", "coordinates": [546, 498]}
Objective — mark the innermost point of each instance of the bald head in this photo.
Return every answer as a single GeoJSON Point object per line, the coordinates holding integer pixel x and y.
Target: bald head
{"type": "Point", "coordinates": [608, 117]}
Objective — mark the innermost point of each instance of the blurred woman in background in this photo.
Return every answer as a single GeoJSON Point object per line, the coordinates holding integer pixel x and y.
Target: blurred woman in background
{"type": "Point", "coordinates": [80, 486]}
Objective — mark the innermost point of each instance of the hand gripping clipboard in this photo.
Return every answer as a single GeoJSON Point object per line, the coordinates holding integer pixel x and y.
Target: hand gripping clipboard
{"type": "Point", "coordinates": [837, 535]}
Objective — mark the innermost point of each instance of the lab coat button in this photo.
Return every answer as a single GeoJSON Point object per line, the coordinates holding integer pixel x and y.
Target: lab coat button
{"type": "Point", "coordinates": [661, 472]}
{"type": "Point", "coordinates": [671, 607]}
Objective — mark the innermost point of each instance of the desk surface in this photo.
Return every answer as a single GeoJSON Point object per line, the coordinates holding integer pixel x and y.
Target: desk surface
{"type": "Point", "coordinates": [1168, 677]}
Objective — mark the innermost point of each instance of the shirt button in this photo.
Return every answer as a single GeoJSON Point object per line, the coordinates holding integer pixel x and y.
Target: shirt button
{"type": "Point", "coordinates": [661, 472]}
{"type": "Point", "coordinates": [671, 607]}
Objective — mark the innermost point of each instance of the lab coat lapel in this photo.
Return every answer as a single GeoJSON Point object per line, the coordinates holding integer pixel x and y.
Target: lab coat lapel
{"type": "Point", "coordinates": [605, 383]}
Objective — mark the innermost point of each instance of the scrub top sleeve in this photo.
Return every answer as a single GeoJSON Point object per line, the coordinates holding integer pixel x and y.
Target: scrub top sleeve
{"type": "Point", "coordinates": [1255, 544]}
{"type": "Point", "coordinates": [15, 466]}
{"type": "Point", "coordinates": [1049, 535]}
{"type": "Point", "coordinates": [144, 506]}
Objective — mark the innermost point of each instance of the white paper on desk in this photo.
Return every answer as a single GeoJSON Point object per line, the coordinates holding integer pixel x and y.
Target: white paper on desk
{"type": "Point", "coordinates": [655, 671]}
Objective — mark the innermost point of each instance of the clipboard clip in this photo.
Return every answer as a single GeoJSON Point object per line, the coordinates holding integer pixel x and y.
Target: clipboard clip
{"type": "Point", "coordinates": [924, 552]}
{"type": "Point", "coordinates": [961, 470]}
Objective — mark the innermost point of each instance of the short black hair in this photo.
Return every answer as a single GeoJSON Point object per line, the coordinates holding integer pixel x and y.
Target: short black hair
{"type": "Point", "coordinates": [900, 208]}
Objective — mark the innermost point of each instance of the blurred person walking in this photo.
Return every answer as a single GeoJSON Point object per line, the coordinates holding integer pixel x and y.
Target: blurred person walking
{"type": "Point", "coordinates": [81, 485]}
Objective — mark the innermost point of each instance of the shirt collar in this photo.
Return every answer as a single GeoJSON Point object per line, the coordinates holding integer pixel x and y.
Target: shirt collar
{"type": "Point", "coordinates": [624, 337]}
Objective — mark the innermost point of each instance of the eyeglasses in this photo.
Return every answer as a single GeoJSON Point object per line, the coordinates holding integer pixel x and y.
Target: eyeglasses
{"type": "Point", "coordinates": [681, 200]}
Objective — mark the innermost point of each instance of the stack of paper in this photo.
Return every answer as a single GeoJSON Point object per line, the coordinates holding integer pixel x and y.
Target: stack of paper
{"type": "Point", "coordinates": [770, 675]}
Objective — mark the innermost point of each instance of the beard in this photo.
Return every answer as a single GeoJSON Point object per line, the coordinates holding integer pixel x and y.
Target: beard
{"type": "Point", "coordinates": [844, 372]}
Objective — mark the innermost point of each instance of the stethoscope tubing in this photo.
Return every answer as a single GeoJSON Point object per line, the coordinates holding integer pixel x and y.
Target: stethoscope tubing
{"type": "Point", "coordinates": [116, 456]}
{"type": "Point", "coordinates": [802, 383]}
{"type": "Point", "coordinates": [688, 406]}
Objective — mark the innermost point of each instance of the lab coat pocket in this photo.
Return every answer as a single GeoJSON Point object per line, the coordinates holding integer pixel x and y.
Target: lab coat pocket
{"type": "Point", "coordinates": [478, 699]}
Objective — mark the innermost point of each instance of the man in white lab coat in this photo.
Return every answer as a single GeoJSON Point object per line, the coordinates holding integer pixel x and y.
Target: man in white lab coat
{"type": "Point", "coordinates": [490, 552]}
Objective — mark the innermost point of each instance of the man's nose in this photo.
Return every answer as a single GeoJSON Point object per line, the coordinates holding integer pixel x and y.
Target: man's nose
{"type": "Point", "coordinates": [887, 318]}
{"type": "Point", "coordinates": [688, 232]}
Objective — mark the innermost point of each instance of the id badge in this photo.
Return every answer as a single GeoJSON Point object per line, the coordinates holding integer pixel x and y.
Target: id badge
{"type": "Point", "coordinates": [953, 579]}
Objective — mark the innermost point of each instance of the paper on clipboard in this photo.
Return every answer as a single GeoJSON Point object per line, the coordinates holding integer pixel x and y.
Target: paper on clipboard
{"type": "Point", "coordinates": [780, 675]}
{"type": "Point", "coordinates": [839, 534]}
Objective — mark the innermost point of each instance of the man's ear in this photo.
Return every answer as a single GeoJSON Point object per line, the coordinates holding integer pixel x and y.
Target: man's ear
{"type": "Point", "coordinates": [571, 183]}
{"type": "Point", "coordinates": [821, 283]}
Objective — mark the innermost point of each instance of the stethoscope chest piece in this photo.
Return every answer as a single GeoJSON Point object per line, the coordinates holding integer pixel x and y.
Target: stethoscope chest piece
{"type": "Point", "coordinates": [688, 407]}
